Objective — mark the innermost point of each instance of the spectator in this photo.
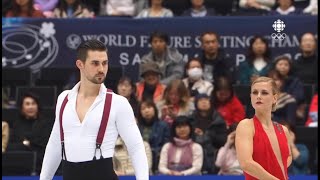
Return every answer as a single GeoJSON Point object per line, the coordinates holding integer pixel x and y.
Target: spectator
{"type": "Point", "coordinates": [181, 156]}
{"type": "Point", "coordinates": [257, 61]}
{"type": "Point", "coordinates": [6, 6]}
{"type": "Point", "coordinates": [72, 9]}
{"type": "Point", "coordinates": [216, 62]}
{"type": "Point", "coordinates": [176, 102]}
{"type": "Point", "coordinates": [155, 10]}
{"type": "Point", "coordinates": [255, 7]}
{"type": "Point", "coordinates": [312, 120]}
{"type": "Point", "coordinates": [292, 85]}
{"type": "Point", "coordinates": [226, 102]}
{"type": "Point", "coordinates": [5, 136]}
{"type": "Point", "coordinates": [306, 65]}
{"type": "Point", "coordinates": [227, 158]}
{"type": "Point", "coordinates": [285, 7]}
{"type": "Point", "coordinates": [121, 7]}
{"type": "Point", "coordinates": [46, 6]}
{"type": "Point", "coordinates": [150, 86]}
{"type": "Point", "coordinates": [154, 131]}
{"type": "Point", "coordinates": [312, 8]}
{"type": "Point", "coordinates": [31, 131]}
{"type": "Point", "coordinates": [169, 60]}
{"type": "Point", "coordinates": [24, 8]}
{"type": "Point", "coordinates": [5, 98]}
{"type": "Point", "coordinates": [198, 9]}
{"type": "Point", "coordinates": [127, 89]}
{"type": "Point", "coordinates": [194, 80]}
{"type": "Point", "coordinates": [210, 131]}
{"type": "Point", "coordinates": [121, 161]}
{"type": "Point", "coordinates": [299, 152]}
{"type": "Point", "coordinates": [286, 106]}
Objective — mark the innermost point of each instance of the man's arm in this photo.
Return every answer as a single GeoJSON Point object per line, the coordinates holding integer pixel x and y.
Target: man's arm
{"type": "Point", "coordinates": [244, 149]}
{"type": "Point", "coordinates": [52, 156]}
{"type": "Point", "coordinates": [131, 136]}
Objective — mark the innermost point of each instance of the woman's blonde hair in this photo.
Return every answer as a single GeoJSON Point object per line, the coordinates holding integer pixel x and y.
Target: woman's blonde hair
{"type": "Point", "coordinates": [275, 89]}
{"type": "Point", "coordinates": [182, 91]}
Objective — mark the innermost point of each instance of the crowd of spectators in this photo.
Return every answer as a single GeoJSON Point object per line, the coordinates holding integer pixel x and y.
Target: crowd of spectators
{"type": "Point", "coordinates": [186, 111]}
{"type": "Point", "coordinates": [154, 8]}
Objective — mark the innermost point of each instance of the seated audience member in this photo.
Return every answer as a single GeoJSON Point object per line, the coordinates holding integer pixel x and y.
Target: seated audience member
{"type": "Point", "coordinates": [299, 152]}
{"type": "Point", "coordinates": [255, 7]}
{"type": "Point", "coordinates": [31, 131]}
{"type": "Point", "coordinates": [286, 106]}
{"type": "Point", "coordinates": [5, 136]}
{"type": "Point", "coordinates": [6, 5]}
{"type": "Point", "coordinates": [127, 89]}
{"type": "Point", "coordinates": [216, 62]}
{"type": "Point", "coordinates": [227, 158]}
{"type": "Point", "coordinates": [5, 98]}
{"type": "Point", "coordinates": [72, 9]}
{"type": "Point", "coordinates": [312, 8]}
{"type": "Point", "coordinates": [198, 9]}
{"type": "Point", "coordinates": [306, 65]}
{"type": "Point", "coordinates": [292, 84]}
{"type": "Point", "coordinates": [257, 61]}
{"type": "Point", "coordinates": [150, 86]}
{"type": "Point", "coordinates": [169, 60]}
{"type": "Point", "coordinates": [181, 156]}
{"type": "Point", "coordinates": [121, 160]}
{"type": "Point", "coordinates": [194, 80]}
{"type": "Point", "coordinates": [24, 9]}
{"type": "Point", "coordinates": [312, 120]}
{"type": "Point", "coordinates": [120, 7]}
{"type": "Point", "coordinates": [226, 102]}
{"type": "Point", "coordinates": [210, 131]}
{"type": "Point", "coordinates": [176, 102]}
{"type": "Point", "coordinates": [155, 10]}
{"type": "Point", "coordinates": [285, 7]}
{"type": "Point", "coordinates": [153, 130]}
{"type": "Point", "coordinates": [46, 6]}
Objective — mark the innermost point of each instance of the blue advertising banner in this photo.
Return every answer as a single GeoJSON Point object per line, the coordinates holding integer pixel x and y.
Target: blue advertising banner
{"type": "Point", "coordinates": [39, 43]}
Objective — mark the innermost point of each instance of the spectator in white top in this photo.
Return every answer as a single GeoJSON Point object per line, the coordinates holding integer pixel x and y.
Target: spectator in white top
{"type": "Point", "coordinates": [286, 7]}
{"type": "Point", "coordinates": [74, 137]}
{"type": "Point", "coordinates": [312, 8]}
{"type": "Point", "coordinates": [257, 4]}
{"type": "Point", "coordinates": [182, 156]}
{"type": "Point", "coordinates": [156, 9]}
{"type": "Point", "coordinates": [194, 80]}
{"type": "Point", "coordinates": [121, 7]}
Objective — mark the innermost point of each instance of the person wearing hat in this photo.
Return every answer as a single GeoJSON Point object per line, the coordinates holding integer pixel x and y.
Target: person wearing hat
{"type": "Point", "coordinates": [150, 87]}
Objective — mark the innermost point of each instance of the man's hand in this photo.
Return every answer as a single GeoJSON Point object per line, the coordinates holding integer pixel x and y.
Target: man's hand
{"type": "Point", "coordinates": [198, 131]}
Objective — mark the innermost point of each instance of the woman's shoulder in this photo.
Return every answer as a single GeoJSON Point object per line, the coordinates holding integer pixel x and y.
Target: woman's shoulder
{"type": "Point", "coordinates": [196, 145]}
{"type": "Point", "coordinates": [246, 123]}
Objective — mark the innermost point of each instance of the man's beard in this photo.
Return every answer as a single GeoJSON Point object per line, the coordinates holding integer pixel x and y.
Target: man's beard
{"type": "Point", "coordinates": [97, 80]}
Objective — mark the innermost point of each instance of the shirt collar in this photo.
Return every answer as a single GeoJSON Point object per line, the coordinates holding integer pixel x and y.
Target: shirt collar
{"type": "Point", "coordinates": [286, 12]}
{"type": "Point", "coordinates": [74, 91]}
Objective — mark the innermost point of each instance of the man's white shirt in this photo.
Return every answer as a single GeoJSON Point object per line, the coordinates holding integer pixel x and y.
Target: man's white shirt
{"type": "Point", "coordinates": [80, 138]}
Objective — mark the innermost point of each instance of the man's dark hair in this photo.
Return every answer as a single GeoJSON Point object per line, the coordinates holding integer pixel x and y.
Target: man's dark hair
{"type": "Point", "coordinates": [33, 96]}
{"type": "Point", "coordinates": [210, 33]}
{"type": "Point", "coordinates": [161, 35]}
{"type": "Point", "coordinates": [301, 36]}
{"type": "Point", "coordinates": [93, 44]}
